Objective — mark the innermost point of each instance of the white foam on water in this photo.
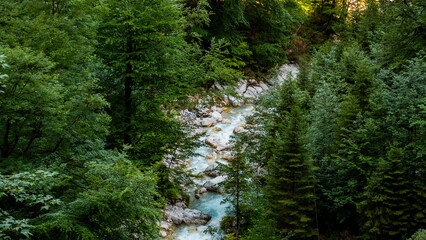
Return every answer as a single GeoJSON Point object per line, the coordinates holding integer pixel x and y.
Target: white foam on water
{"type": "Point", "coordinates": [210, 202]}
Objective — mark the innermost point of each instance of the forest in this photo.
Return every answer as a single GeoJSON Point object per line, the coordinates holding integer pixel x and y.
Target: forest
{"type": "Point", "coordinates": [92, 94]}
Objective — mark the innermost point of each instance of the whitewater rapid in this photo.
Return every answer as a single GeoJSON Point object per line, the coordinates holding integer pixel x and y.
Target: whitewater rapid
{"type": "Point", "coordinates": [211, 202]}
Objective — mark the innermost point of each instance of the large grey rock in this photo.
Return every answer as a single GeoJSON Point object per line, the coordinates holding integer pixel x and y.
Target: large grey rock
{"type": "Point", "coordinates": [163, 233]}
{"type": "Point", "coordinates": [217, 143]}
{"type": "Point", "coordinates": [202, 190]}
{"type": "Point", "coordinates": [214, 184]}
{"type": "Point", "coordinates": [218, 86]}
{"type": "Point", "coordinates": [202, 111]}
{"type": "Point", "coordinates": [235, 101]}
{"type": "Point", "coordinates": [188, 116]}
{"type": "Point", "coordinates": [179, 215]}
{"type": "Point", "coordinates": [165, 225]}
{"type": "Point", "coordinates": [263, 86]}
{"type": "Point", "coordinates": [241, 88]}
{"type": "Point", "coordinates": [217, 109]}
{"type": "Point", "coordinates": [216, 115]}
{"type": "Point", "coordinates": [259, 90]}
{"type": "Point", "coordinates": [212, 170]}
{"type": "Point", "coordinates": [198, 131]}
{"type": "Point", "coordinates": [286, 71]}
{"type": "Point", "coordinates": [239, 130]}
{"type": "Point", "coordinates": [208, 122]}
{"type": "Point", "coordinates": [251, 93]}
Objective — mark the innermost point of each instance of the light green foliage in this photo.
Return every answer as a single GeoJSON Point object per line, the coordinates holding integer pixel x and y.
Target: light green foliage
{"type": "Point", "coordinates": [143, 49]}
{"type": "Point", "coordinates": [24, 191]}
{"type": "Point", "coordinates": [117, 204]}
{"type": "Point", "coordinates": [51, 109]}
{"type": "Point", "coordinates": [52, 116]}
{"type": "Point", "coordinates": [323, 121]}
{"type": "Point", "coordinates": [219, 68]}
{"type": "Point", "coordinates": [29, 104]}
{"type": "Point", "coordinates": [400, 99]}
{"type": "Point", "coordinates": [419, 235]}
{"type": "Point", "coordinates": [11, 228]}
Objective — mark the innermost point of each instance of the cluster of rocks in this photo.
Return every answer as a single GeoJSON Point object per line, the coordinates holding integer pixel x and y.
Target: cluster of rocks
{"type": "Point", "coordinates": [249, 91]}
{"type": "Point", "coordinates": [178, 214]}
{"type": "Point", "coordinates": [203, 116]}
{"type": "Point", "coordinates": [246, 91]}
{"type": "Point", "coordinates": [181, 214]}
{"type": "Point", "coordinates": [200, 119]}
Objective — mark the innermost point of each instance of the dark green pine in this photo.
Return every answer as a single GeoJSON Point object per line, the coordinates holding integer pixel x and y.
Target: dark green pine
{"type": "Point", "coordinates": [386, 207]}
{"type": "Point", "coordinates": [291, 180]}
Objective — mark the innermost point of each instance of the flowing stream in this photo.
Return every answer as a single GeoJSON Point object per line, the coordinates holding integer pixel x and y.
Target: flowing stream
{"type": "Point", "coordinates": [211, 202]}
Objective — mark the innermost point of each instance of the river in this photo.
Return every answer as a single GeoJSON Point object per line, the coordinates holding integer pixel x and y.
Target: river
{"type": "Point", "coordinates": [211, 202]}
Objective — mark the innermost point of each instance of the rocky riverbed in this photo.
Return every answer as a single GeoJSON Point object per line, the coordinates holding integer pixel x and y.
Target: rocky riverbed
{"type": "Point", "coordinates": [217, 124]}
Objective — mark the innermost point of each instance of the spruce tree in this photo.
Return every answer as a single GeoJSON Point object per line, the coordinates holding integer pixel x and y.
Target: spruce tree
{"type": "Point", "coordinates": [237, 172]}
{"type": "Point", "coordinates": [386, 207]}
{"type": "Point", "coordinates": [291, 180]}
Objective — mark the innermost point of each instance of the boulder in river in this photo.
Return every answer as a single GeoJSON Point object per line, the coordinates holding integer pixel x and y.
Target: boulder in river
{"type": "Point", "coordinates": [165, 225]}
{"type": "Point", "coordinates": [225, 110]}
{"type": "Point", "coordinates": [216, 115]}
{"type": "Point", "coordinates": [198, 131]}
{"type": "Point", "coordinates": [226, 121]}
{"type": "Point", "coordinates": [179, 215]}
{"type": "Point", "coordinates": [163, 233]}
{"type": "Point", "coordinates": [235, 101]}
{"type": "Point", "coordinates": [214, 184]}
{"type": "Point", "coordinates": [217, 143]}
{"type": "Point", "coordinates": [208, 122]}
{"type": "Point", "coordinates": [212, 170]}
{"type": "Point", "coordinates": [202, 190]}
{"type": "Point", "coordinates": [216, 129]}
{"type": "Point", "coordinates": [212, 157]}
{"type": "Point", "coordinates": [239, 130]}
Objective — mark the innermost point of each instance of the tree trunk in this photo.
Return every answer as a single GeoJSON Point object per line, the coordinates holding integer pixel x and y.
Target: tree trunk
{"type": "Point", "coordinates": [128, 82]}
{"type": "Point", "coordinates": [237, 207]}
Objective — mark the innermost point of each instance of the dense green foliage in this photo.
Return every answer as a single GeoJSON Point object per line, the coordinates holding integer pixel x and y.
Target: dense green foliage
{"type": "Point", "coordinates": [290, 181]}
{"type": "Point", "coordinates": [86, 93]}
{"type": "Point", "coordinates": [357, 110]}
{"type": "Point", "coordinates": [89, 90]}
{"type": "Point", "coordinates": [258, 33]}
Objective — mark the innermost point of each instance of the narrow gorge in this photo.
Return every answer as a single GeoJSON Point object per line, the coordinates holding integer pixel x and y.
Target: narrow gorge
{"type": "Point", "coordinates": [219, 124]}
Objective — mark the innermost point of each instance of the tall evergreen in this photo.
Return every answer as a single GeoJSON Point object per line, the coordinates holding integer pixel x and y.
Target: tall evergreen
{"type": "Point", "coordinates": [291, 181]}
{"type": "Point", "coordinates": [237, 184]}
{"type": "Point", "coordinates": [386, 208]}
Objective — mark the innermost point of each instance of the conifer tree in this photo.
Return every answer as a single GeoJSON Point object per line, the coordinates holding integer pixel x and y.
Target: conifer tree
{"type": "Point", "coordinates": [291, 179]}
{"type": "Point", "coordinates": [136, 40]}
{"type": "Point", "coordinates": [237, 172]}
{"type": "Point", "coordinates": [386, 207]}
